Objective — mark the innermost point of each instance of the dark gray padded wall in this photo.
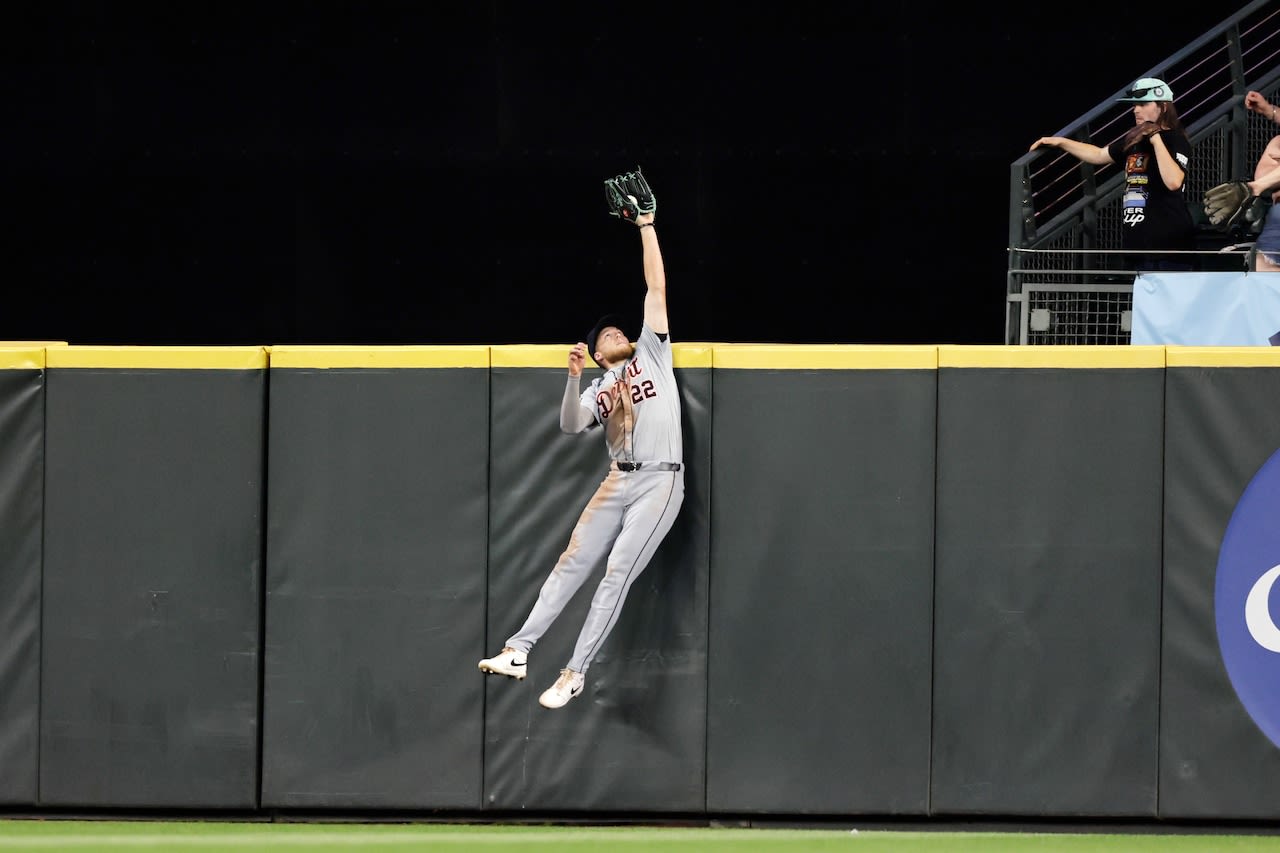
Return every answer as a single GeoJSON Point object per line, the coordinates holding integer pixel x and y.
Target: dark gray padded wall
{"type": "Point", "coordinates": [375, 587]}
{"type": "Point", "coordinates": [635, 741]}
{"type": "Point", "coordinates": [1221, 428]}
{"type": "Point", "coordinates": [821, 587]}
{"type": "Point", "coordinates": [1048, 591]}
{"type": "Point", "coordinates": [152, 584]}
{"type": "Point", "coordinates": [21, 511]}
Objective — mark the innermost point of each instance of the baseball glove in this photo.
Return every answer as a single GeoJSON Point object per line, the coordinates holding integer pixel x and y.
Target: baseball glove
{"type": "Point", "coordinates": [628, 195]}
{"type": "Point", "coordinates": [1227, 203]}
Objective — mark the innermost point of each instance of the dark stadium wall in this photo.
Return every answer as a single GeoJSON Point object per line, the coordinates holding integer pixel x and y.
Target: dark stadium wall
{"type": "Point", "coordinates": [821, 580]}
{"type": "Point", "coordinates": [1047, 582]}
{"type": "Point", "coordinates": [1220, 430]}
{"type": "Point", "coordinates": [919, 581]}
{"type": "Point", "coordinates": [152, 577]}
{"type": "Point", "coordinates": [377, 507]}
{"type": "Point", "coordinates": [22, 397]}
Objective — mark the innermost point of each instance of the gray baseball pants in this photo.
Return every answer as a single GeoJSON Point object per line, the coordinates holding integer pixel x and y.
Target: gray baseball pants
{"type": "Point", "coordinates": [627, 518]}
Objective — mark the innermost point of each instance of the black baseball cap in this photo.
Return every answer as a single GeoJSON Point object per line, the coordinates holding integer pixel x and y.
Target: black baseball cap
{"type": "Point", "coordinates": [593, 336]}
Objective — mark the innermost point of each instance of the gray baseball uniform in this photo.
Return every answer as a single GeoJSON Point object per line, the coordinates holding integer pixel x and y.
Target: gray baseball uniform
{"type": "Point", "coordinates": [638, 404]}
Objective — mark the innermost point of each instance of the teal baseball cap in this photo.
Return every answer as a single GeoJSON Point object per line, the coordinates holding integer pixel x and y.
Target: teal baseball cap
{"type": "Point", "coordinates": [1147, 89]}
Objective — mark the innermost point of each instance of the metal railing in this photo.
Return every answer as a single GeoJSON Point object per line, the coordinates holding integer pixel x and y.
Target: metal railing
{"type": "Point", "coordinates": [1068, 281]}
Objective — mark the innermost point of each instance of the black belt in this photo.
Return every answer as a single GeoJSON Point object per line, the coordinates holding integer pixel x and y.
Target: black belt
{"type": "Point", "coordinates": [648, 466]}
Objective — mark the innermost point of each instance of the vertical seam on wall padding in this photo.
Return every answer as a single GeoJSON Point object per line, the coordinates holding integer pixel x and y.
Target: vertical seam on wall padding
{"type": "Point", "coordinates": [933, 587]}
{"type": "Point", "coordinates": [1160, 590]}
{"type": "Point", "coordinates": [44, 486]}
{"type": "Point", "coordinates": [262, 574]}
{"type": "Point", "coordinates": [488, 552]}
{"type": "Point", "coordinates": [706, 652]}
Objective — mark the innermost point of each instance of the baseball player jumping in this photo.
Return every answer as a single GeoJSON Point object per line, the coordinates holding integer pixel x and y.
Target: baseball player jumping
{"type": "Point", "coordinates": [638, 404]}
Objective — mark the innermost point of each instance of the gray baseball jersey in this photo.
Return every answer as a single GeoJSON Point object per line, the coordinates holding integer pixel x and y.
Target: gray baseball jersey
{"type": "Point", "coordinates": [638, 404]}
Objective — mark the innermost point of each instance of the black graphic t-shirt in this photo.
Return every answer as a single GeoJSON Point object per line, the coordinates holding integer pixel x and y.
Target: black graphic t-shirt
{"type": "Point", "coordinates": [1153, 216]}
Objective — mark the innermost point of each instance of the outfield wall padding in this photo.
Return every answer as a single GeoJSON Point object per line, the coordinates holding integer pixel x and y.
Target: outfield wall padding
{"type": "Point", "coordinates": [916, 581]}
{"type": "Point", "coordinates": [21, 514]}
{"type": "Point", "coordinates": [821, 581]}
{"type": "Point", "coordinates": [1221, 427]}
{"type": "Point", "coordinates": [635, 740]}
{"type": "Point", "coordinates": [376, 550]}
{"type": "Point", "coordinates": [1047, 596]}
{"type": "Point", "coordinates": [152, 561]}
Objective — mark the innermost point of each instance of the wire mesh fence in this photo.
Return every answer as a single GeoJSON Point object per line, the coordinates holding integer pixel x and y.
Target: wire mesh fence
{"type": "Point", "coordinates": [1100, 315]}
{"type": "Point", "coordinates": [1072, 296]}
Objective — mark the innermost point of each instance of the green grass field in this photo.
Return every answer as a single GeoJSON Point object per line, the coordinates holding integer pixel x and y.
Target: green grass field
{"type": "Point", "coordinates": [207, 837]}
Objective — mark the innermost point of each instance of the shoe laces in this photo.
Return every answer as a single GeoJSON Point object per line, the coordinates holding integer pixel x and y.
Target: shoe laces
{"type": "Point", "coordinates": [565, 679]}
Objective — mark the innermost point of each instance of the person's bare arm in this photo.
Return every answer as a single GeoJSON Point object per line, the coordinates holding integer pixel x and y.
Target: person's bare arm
{"type": "Point", "coordinates": [1266, 175]}
{"type": "Point", "coordinates": [1085, 151]}
{"type": "Point", "coordinates": [1171, 172]}
{"type": "Point", "coordinates": [1255, 102]}
{"type": "Point", "coordinates": [1266, 182]}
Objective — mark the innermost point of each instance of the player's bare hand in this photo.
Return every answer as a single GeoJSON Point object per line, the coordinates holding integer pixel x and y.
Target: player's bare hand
{"type": "Point", "coordinates": [1255, 102]}
{"type": "Point", "coordinates": [577, 356]}
{"type": "Point", "coordinates": [1046, 142]}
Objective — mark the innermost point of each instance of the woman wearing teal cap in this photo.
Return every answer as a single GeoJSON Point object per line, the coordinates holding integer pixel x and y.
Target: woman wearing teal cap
{"type": "Point", "coordinates": [1155, 154]}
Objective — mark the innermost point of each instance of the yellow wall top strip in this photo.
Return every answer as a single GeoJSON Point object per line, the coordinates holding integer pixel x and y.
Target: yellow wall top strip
{"type": "Point", "coordinates": [324, 357]}
{"type": "Point", "coordinates": [33, 355]}
{"type": "Point", "coordinates": [162, 358]}
{"type": "Point", "coordinates": [824, 357]}
{"type": "Point", "coordinates": [1051, 356]}
{"type": "Point", "coordinates": [21, 358]}
{"type": "Point", "coordinates": [1223, 356]}
{"type": "Point", "coordinates": [531, 355]}
{"type": "Point", "coordinates": [691, 355]}
{"type": "Point", "coordinates": [557, 355]}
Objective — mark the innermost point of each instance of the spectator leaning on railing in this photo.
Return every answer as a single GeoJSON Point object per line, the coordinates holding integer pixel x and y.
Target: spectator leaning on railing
{"type": "Point", "coordinates": [1155, 154]}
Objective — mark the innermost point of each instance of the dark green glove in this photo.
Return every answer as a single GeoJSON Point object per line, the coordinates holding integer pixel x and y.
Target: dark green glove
{"type": "Point", "coordinates": [628, 196]}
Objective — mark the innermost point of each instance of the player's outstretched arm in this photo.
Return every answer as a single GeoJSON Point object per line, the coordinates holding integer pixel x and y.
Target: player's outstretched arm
{"type": "Point", "coordinates": [631, 200]}
{"type": "Point", "coordinates": [655, 276]}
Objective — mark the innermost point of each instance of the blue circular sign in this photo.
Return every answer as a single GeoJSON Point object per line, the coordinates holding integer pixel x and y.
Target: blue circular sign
{"type": "Point", "coordinates": [1247, 598]}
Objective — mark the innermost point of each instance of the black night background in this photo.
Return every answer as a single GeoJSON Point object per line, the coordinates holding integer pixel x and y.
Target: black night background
{"type": "Point", "coordinates": [419, 173]}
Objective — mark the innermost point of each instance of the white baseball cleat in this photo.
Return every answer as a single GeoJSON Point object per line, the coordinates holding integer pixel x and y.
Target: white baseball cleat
{"type": "Point", "coordinates": [568, 685]}
{"type": "Point", "coordinates": [506, 662]}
